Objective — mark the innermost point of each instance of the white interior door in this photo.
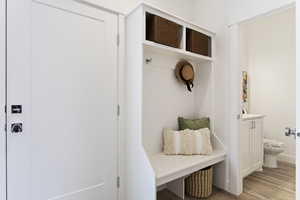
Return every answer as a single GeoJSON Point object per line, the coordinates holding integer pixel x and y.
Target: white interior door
{"type": "Point", "coordinates": [62, 69]}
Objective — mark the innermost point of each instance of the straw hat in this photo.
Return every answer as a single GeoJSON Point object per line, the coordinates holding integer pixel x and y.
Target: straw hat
{"type": "Point", "coordinates": [184, 72]}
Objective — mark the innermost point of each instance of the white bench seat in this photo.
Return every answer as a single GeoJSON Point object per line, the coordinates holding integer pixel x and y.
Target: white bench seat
{"type": "Point", "coordinates": [171, 167]}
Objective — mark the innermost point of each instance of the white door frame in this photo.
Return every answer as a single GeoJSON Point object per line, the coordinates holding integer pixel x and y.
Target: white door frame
{"type": "Point", "coordinates": [121, 97]}
{"type": "Point", "coordinates": [2, 99]}
{"type": "Point", "coordinates": [121, 124]}
{"type": "Point", "coordinates": [236, 185]}
{"type": "Point", "coordinates": [236, 179]}
{"type": "Point", "coordinates": [297, 100]}
{"type": "Point", "coordinates": [121, 93]}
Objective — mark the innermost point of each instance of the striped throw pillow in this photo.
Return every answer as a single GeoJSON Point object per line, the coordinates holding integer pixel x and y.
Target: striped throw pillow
{"type": "Point", "coordinates": [187, 142]}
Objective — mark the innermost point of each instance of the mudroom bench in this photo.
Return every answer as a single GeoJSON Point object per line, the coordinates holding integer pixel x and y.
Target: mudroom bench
{"type": "Point", "coordinates": [171, 170]}
{"type": "Point", "coordinates": [156, 97]}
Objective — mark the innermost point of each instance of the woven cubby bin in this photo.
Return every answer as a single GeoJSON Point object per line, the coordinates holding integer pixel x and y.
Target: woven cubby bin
{"type": "Point", "coordinates": [199, 184]}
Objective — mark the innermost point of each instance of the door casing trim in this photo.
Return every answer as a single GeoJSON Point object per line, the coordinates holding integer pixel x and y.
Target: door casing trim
{"type": "Point", "coordinates": [121, 97]}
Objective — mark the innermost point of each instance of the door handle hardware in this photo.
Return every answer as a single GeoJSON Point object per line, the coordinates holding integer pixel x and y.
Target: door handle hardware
{"type": "Point", "coordinates": [16, 109]}
{"type": "Point", "coordinates": [290, 131]}
{"type": "Point", "coordinates": [17, 128]}
{"type": "Point", "coordinates": [252, 125]}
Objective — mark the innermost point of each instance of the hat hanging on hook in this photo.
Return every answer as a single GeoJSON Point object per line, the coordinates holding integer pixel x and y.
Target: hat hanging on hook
{"type": "Point", "coordinates": [184, 72]}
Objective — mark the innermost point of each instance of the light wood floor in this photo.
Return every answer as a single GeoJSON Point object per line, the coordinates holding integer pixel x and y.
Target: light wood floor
{"type": "Point", "coordinates": [271, 184]}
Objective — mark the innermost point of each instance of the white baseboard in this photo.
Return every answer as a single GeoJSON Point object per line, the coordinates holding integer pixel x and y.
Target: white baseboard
{"type": "Point", "coordinates": [287, 158]}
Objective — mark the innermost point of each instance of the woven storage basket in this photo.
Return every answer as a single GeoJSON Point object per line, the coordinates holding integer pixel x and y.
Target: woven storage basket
{"type": "Point", "coordinates": [163, 31]}
{"type": "Point", "coordinates": [197, 42]}
{"type": "Point", "coordinates": [199, 184]}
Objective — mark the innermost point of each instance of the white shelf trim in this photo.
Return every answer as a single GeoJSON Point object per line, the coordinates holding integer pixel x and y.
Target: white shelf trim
{"type": "Point", "coordinates": [177, 52]}
{"type": "Point", "coordinates": [189, 22]}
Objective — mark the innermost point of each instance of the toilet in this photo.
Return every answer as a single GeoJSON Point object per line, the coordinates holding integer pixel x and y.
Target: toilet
{"type": "Point", "coordinates": [272, 149]}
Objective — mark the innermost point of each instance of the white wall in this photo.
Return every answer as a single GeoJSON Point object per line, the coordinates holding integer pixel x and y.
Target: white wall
{"type": "Point", "coordinates": [270, 58]}
{"type": "Point", "coordinates": [116, 5]}
{"type": "Point", "coordinates": [211, 14]}
{"type": "Point", "coordinates": [164, 99]}
{"type": "Point", "coordinates": [239, 10]}
{"type": "Point", "coordinates": [179, 7]}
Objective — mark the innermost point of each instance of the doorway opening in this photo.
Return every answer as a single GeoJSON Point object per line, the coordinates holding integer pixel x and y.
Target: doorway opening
{"type": "Point", "coordinates": [267, 105]}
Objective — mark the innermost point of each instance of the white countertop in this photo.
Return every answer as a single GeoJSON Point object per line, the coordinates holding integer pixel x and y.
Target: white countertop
{"type": "Point", "coordinates": [245, 117]}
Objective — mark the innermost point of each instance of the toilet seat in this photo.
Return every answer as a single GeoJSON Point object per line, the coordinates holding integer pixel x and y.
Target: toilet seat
{"type": "Point", "coordinates": [272, 144]}
{"type": "Point", "coordinates": [273, 150]}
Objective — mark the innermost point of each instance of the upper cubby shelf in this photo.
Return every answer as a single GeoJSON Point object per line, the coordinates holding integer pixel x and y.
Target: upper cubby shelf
{"type": "Point", "coordinates": [168, 34]}
{"type": "Point", "coordinates": [179, 53]}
